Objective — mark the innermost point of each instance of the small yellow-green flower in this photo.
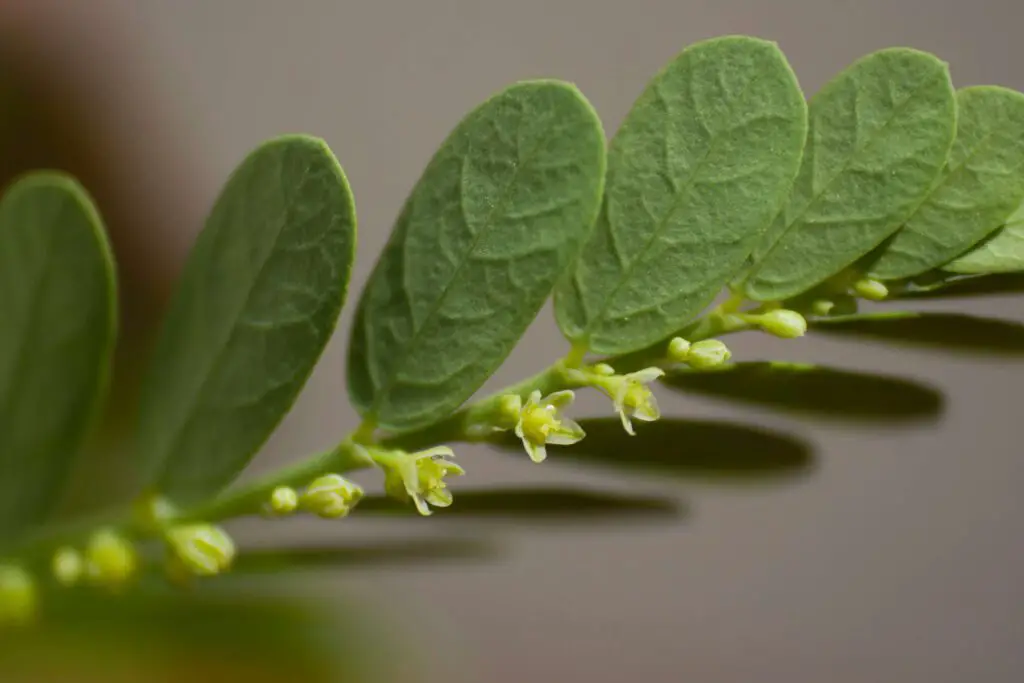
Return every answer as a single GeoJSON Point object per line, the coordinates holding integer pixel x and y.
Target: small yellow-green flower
{"type": "Point", "coordinates": [331, 496]}
{"type": "Point", "coordinates": [541, 422]}
{"type": "Point", "coordinates": [201, 549]}
{"type": "Point", "coordinates": [419, 476]}
{"type": "Point", "coordinates": [632, 398]}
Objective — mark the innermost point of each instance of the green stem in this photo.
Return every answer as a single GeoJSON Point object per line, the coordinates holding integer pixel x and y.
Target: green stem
{"type": "Point", "coordinates": [346, 457]}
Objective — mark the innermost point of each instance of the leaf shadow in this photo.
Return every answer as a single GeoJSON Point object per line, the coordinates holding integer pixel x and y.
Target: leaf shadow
{"type": "Point", "coordinates": [400, 553]}
{"type": "Point", "coordinates": [695, 449]}
{"type": "Point", "coordinates": [967, 286]}
{"type": "Point", "coordinates": [954, 332]}
{"type": "Point", "coordinates": [814, 390]}
{"type": "Point", "coordinates": [541, 504]}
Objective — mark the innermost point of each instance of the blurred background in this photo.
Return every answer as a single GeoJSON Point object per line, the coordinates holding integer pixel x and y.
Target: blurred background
{"type": "Point", "coordinates": [861, 551]}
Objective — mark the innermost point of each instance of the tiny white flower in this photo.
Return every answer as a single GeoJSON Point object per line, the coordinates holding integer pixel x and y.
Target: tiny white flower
{"type": "Point", "coordinates": [541, 422]}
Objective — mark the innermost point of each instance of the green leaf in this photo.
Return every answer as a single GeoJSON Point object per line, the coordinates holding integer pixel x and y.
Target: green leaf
{"type": "Point", "coordinates": [1002, 252]}
{"type": "Point", "coordinates": [814, 390]}
{"type": "Point", "coordinates": [709, 450]}
{"type": "Point", "coordinates": [531, 505]}
{"type": "Point", "coordinates": [499, 213]}
{"type": "Point", "coordinates": [953, 332]}
{"type": "Point", "coordinates": [57, 330]}
{"type": "Point", "coordinates": [697, 171]}
{"type": "Point", "coordinates": [879, 136]}
{"type": "Point", "coordinates": [981, 186]}
{"type": "Point", "coordinates": [257, 302]}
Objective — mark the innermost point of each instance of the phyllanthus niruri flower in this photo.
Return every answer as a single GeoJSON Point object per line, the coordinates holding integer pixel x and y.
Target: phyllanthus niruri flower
{"type": "Point", "coordinates": [540, 422]}
{"type": "Point", "coordinates": [872, 290]}
{"type": "Point", "coordinates": [708, 354]}
{"type": "Point", "coordinates": [201, 549]}
{"type": "Point", "coordinates": [331, 496]}
{"type": "Point", "coordinates": [632, 398]}
{"type": "Point", "coordinates": [418, 476]}
{"type": "Point", "coordinates": [782, 323]}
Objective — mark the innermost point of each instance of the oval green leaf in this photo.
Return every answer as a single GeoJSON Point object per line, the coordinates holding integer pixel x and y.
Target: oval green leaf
{"type": "Point", "coordinates": [258, 300]}
{"type": "Point", "coordinates": [981, 186]}
{"type": "Point", "coordinates": [498, 215]}
{"type": "Point", "coordinates": [697, 171]}
{"type": "Point", "coordinates": [879, 136]}
{"type": "Point", "coordinates": [1002, 252]}
{"type": "Point", "coordinates": [57, 330]}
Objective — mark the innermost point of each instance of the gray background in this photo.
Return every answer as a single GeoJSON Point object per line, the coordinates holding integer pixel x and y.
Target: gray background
{"type": "Point", "coordinates": [897, 558]}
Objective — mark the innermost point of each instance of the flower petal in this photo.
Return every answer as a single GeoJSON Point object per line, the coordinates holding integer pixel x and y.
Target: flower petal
{"type": "Point", "coordinates": [560, 399]}
{"type": "Point", "coordinates": [536, 452]}
{"type": "Point", "coordinates": [441, 498]}
{"type": "Point", "coordinates": [626, 424]}
{"type": "Point", "coordinates": [649, 411]}
{"type": "Point", "coordinates": [421, 505]}
{"type": "Point", "coordinates": [436, 451]}
{"type": "Point", "coordinates": [567, 433]}
{"type": "Point", "coordinates": [646, 376]}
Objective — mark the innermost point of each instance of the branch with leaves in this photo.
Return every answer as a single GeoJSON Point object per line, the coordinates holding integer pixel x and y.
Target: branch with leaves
{"type": "Point", "coordinates": [887, 185]}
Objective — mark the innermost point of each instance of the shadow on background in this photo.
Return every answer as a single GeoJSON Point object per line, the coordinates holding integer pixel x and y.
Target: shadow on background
{"type": "Point", "coordinates": [955, 332]}
{"type": "Point", "coordinates": [816, 391]}
{"type": "Point", "coordinates": [400, 553]}
{"type": "Point", "coordinates": [700, 449]}
{"type": "Point", "coordinates": [544, 504]}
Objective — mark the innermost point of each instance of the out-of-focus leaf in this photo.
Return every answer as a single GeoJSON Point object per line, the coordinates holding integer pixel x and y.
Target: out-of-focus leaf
{"type": "Point", "coordinates": [57, 329]}
{"type": "Point", "coordinates": [534, 504]}
{"type": "Point", "coordinates": [257, 302]}
{"type": "Point", "coordinates": [200, 638]}
{"type": "Point", "coordinates": [402, 553]}
{"type": "Point", "coordinates": [692, 449]}
{"type": "Point", "coordinates": [944, 331]}
{"type": "Point", "coordinates": [815, 390]}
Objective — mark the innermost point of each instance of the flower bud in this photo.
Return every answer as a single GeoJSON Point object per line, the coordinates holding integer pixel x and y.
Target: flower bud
{"type": "Point", "coordinates": [783, 323]}
{"type": "Point", "coordinates": [110, 559]}
{"type": "Point", "coordinates": [18, 596]}
{"type": "Point", "coordinates": [872, 290]}
{"type": "Point", "coordinates": [679, 350]}
{"type": "Point", "coordinates": [331, 496]}
{"type": "Point", "coordinates": [68, 566]}
{"type": "Point", "coordinates": [604, 370]}
{"type": "Point", "coordinates": [283, 500]}
{"type": "Point", "coordinates": [202, 549]}
{"type": "Point", "coordinates": [822, 307]}
{"type": "Point", "coordinates": [707, 354]}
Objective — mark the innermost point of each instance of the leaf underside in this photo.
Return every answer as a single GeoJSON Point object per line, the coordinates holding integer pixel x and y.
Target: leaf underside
{"type": "Point", "coordinates": [1002, 252]}
{"type": "Point", "coordinates": [879, 136]}
{"type": "Point", "coordinates": [500, 212]}
{"type": "Point", "coordinates": [57, 318]}
{"type": "Point", "coordinates": [257, 302]}
{"type": "Point", "coordinates": [697, 171]}
{"type": "Point", "coordinates": [981, 186]}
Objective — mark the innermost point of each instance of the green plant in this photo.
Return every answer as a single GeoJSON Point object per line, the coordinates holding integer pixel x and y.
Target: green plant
{"type": "Point", "coordinates": [888, 185]}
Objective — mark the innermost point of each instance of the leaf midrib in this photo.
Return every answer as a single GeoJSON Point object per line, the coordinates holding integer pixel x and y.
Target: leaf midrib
{"type": "Point", "coordinates": [193, 411]}
{"type": "Point", "coordinates": [383, 392]}
{"type": "Point", "coordinates": [814, 199]}
{"type": "Point", "coordinates": [588, 331]}
{"type": "Point", "coordinates": [38, 292]}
